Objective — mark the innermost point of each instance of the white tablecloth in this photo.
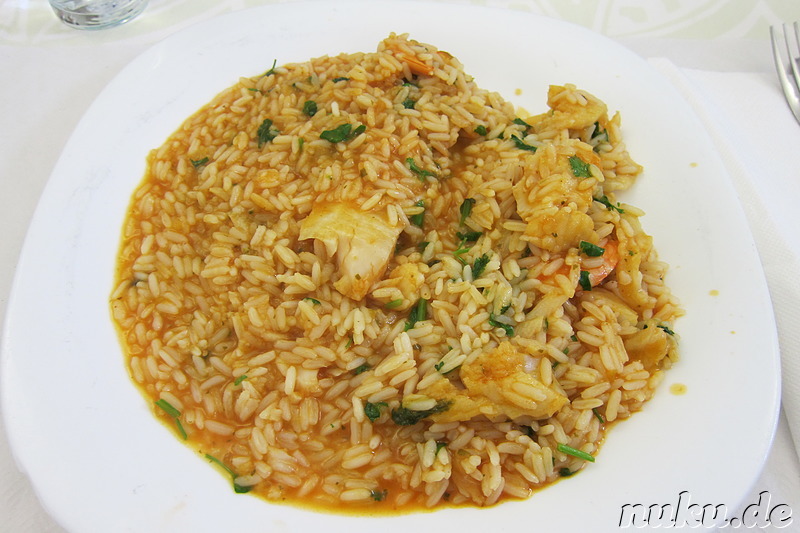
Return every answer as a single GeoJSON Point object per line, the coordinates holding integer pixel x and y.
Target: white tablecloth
{"type": "Point", "coordinates": [715, 52]}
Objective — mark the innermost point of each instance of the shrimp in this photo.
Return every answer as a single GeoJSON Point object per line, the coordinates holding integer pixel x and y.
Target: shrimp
{"type": "Point", "coordinates": [414, 64]}
{"type": "Point", "coordinates": [610, 260]}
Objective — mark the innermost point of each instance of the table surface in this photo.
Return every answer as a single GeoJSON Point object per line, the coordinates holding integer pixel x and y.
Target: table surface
{"type": "Point", "coordinates": [51, 74]}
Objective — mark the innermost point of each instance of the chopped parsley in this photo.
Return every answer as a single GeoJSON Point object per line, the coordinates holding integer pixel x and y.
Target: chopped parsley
{"type": "Point", "coordinates": [521, 122]}
{"type": "Point", "coordinates": [565, 472]}
{"type": "Point", "coordinates": [342, 133]}
{"type": "Point", "coordinates": [312, 300]}
{"type": "Point", "coordinates": [360, 369]}
{"type": "Point", "coordinates": [373, 410]}
{"type": "Point", "coordinates": [599, 135]}
{"type": "Point", "coordinates": [611, 207]}
{"type": "Point", "coordinates": [340, 78]}
{"type": "Point", "coordinates": [522, 145]}
{"type": "Point", "coordinates": [394, 303]}
{"type": "Point", "coordinates": [439, 446]}
{"type": "Point", "coordinates": [479, 266]}
{"type": "Point", "coordinates": [584, 282]}
{"type": "Point", "coordinates": [569, 450]}
{"type": "Point", "coordinates": [592, 250]}
{"type": "Point", "coordinates": [666, 329]}
{"type": "Point", "coordinates": [168, 408]}
{"type": "Point", "coordinates": [378, 495]}
{"type": "Point", "coordinates": [422, 245]}
{"type": "Point", "coordinates": [481, 130]}
{"type": "Point", "coordinates": [420, 172]}
{"type": "Point", "coordinates": [197, 163]}
{"type": "Point", "coordinates": [406, 417]}
{"type": "Point", "coordinates": [173, 413]}
{"type": "Point", "coordinates": [271, 71]}
{"type": "Point", "coordinates": [310, 108]}
{"type": "Point", "coordinates": [468, 236]}
{"type": "Point", "coordinates": [418, 219]}
{"type": "Point", "coordinates": [466, 208]}
{"type": "Point", "coordinates": [505, 327]}
{"type": "Point", "coordinates": [239, 489]}
{"type": "Point", "coordinates": [266, 132]}
{"type": "Point", "coordinates": [418, 312]}
{"type": "Point", "coordinates": [408, 103]}
{"type": "Point", "coordinates": [580, 168]}
{"type": "Point", "coordinates": [239, 380]}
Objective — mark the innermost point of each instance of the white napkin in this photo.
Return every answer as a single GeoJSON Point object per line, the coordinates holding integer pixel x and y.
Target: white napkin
{"type": "Point", "coordinates": [759, 141]}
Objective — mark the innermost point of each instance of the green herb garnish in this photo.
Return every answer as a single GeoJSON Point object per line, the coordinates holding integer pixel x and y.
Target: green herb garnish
{"type": "Point", "coordinates": [266, 132]}
{"type": "Point", "coordinates": [422, 245]}
{"type": "Point", "coordinates": [569, 450]}
{"type": "Point", "coordinates": [522, 145]}
{"type": "Point", "coordinates": [505, 327]}
{"type": "Point", "coordinates": [312, 300]}
{"type": "Point", "coordinates": [521, 122]}
{"type": "Point", "coordinates": [406, 417]}
{"type": "Point", "coordinates": [584, 282]}
{"type": "Point", "coordinates": [420, 172]}
{"type": "Point", "coordinates": [340, 78]}
{"type": "Point", "coordinates": [271, 71]}
{"type": "Point", "coordinates": [360, 369]}
{"type": "Point", "coordinates": [479, 266]}
{"type": "Point", "coordinates": [173, 413]}
{"type": "Point", "coordinates": [466, 208]}
{"type": "Point", "coordinates": [598, 415]}
{"type": "Point", "coordinates": [168, 408]}
{"type": "Point", "coordinates": [418, 219]}
{"type": "Point", "coordinates": [666, 329]}
{"type": "Point", "coordinates": [565, 472]}
{"type": "Point", "coordinates": [378, 495]}
{"type": "Point", "coordinates": [408, 103]}
{"type": "Point", "coordinates": [373, 410]}
{"type": "Point", "coordinates": [600, 135]}
{"type": "Point", "coordinates": [468, 236]}
{"type": "Point", "coordinates": [592, 250]}
{"type": "Point", "coordinates": [394, 304]}
{"type": "Point", "coordinates": [197, 163]}
{"type": "Point", "coordinates": [611, 207]}
{"type": "Point", "coordinates": [342, 133]}
{"type": "Point", "coordinates": [238, 381]}
{"type": "Point", "coordinates": [418, 312]}
{"type": "Point", "coordinates": [481, 130]}
{"type": "Point", "coordinates": [580, 168]}
{"type": "Point", "coordinates": [239, 489]}
{"type": "Point", "coordinates": [310, 108]}
{"type": "Point", "coordinates": [439, 446]}
{"type": "Point", "coordinates": [458, 253]}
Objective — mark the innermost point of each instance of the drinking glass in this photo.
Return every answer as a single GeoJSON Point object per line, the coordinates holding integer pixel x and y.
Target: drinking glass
{"type": "Point", "coordinates": [96, 14]}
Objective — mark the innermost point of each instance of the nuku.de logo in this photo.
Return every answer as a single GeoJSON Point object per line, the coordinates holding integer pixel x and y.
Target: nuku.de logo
{"type": "Point", "coordinates": [685, 514]}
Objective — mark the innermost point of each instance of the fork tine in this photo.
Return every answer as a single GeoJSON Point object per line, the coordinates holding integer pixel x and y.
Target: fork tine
{"type": "Point", "coordinates": [792, 56]}
{"type": "Point", "coordinates": [789, 90]}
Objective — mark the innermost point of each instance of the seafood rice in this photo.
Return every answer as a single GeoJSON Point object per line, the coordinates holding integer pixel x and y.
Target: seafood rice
{"type": "Point", "coordinates": [362, 283]}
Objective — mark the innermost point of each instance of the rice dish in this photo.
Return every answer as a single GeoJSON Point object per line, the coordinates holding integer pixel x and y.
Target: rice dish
{"type": "Point", "coordinates": [363, 283]}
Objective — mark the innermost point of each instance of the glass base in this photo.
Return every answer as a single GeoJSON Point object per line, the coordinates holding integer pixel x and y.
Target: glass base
{"type": "Point", "coordinates": [97, 14]}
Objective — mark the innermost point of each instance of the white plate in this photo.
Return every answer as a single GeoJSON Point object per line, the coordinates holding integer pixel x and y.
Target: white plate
{"type": "Point", "coordinates": [100, 461]}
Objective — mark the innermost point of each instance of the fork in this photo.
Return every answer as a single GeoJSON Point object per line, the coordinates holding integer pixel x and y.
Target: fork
{"type": "Point", "coordinates": [791, 87]}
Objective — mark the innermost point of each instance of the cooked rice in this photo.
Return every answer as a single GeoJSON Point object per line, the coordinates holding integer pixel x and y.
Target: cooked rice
{"type": "Point", "coordinates": [233, 319]}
